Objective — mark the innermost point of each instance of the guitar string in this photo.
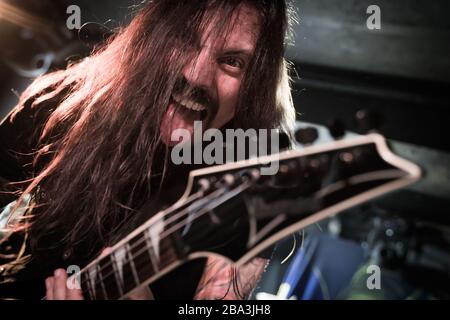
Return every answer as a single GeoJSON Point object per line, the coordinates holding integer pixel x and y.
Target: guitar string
{"type": "Point", "coordinates": [355, 180]}
{"type": "Point", "coordinates": [184, 223]}
{"type": "Point", "coordinates": [196, 215]}
{"type": "Point", "coordinates": [189, 199]}
{"type": "Point", "coordinates": [186, 211]}
{"type": "Point", "coordinates": [180, 214]}
{"type": "Point", "coordinates": [181, 224]}
{"type": "Point", "coordinates": [367, 177]}
{"type": "Point", "coordinates": [108, 276]}
{"type": "Point", "coordinates": [149, 246]}
{"type": "Point", "coordinates": [139, 263]}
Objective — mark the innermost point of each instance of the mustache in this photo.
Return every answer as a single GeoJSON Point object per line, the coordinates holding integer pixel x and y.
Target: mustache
{"type": "Point", "coordinates": [196, 93]}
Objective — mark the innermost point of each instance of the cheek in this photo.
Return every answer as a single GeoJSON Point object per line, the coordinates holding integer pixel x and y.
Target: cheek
{"type": "Point", "coordinates": [228, 93]}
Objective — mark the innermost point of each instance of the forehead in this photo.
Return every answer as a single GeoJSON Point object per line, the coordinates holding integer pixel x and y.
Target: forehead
{"type": "Point", "coordinates": [240, 32]}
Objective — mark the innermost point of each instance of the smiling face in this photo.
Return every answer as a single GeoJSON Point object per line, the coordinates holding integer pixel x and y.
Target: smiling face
{"type": "Point", "coordinates": [211, 82]}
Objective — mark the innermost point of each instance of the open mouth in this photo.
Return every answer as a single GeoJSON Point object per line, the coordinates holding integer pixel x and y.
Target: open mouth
{"type": "Point", "coordinates": [182, 113]}
{"type": "Point", "coordinates": [189, 108]}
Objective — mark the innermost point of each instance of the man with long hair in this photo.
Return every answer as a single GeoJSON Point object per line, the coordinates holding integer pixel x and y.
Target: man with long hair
{"type": "Point", "coordinates": [90, 143]}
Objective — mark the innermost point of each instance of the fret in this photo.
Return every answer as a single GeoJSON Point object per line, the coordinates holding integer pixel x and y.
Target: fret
{"type": "Point", "coordinates": [150, 250]}
{"type": "Point", "coordinates": [125, 270]}
{"type": "Point", "coordinates": [86, 287]}
{"type": "Point", "coordinates": [117, 275]}
{"type": "Point", "coordinates": [142, 258]}
{"type": "Point", "coordinates": [100, 279]}
{"type": "Point", "coordinates": [91, 280]}
{"type": "Point", "coordinates": [109, 277]}
{"type": "Point", "coordinates": [169, 254]}
{"type": "Point", "coordinates": [133, 267]}
{"type": "Point", "coordinates": [97, 293]}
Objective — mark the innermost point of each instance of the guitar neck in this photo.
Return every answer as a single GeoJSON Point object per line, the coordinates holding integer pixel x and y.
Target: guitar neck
{"type": "Point", "coordinates": [138, 260]}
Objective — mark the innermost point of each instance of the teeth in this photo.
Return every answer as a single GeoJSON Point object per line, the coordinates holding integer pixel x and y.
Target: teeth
{"type": "Point", "coordinates": [189, 103]}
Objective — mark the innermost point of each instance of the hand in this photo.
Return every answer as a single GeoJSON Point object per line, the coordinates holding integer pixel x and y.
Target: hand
{"type": "Point", "coordinates": [57, 288]}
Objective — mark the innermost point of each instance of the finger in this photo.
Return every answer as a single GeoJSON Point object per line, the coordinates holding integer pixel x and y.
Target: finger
{"type": "Point", "coordinates": [74, 294]}
{"type": "Point", "coordinates": [73, 288]}
{"type": "Point", "coordinates": [49, 282]}
{"type": "Point", "coordinates": [60, 285]}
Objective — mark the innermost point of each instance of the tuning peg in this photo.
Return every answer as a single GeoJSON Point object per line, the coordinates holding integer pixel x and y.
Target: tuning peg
{"type": "Point", "coordinates": [204, 184]}
{"type": "Point", "coordinates": [252, 175]}
{"type": "Point", "coordinates": [306, 135]}
{"type": "Point", "coordinates": [228, 180]}
{"type": "Point", "coordinates": [336, 129]}
{"type": "Point", "coordinates": [367, 121]}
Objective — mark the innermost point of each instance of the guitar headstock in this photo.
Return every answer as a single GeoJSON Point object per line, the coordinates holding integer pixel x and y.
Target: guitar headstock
{"type": "Point", "coordinates": [242, 210]}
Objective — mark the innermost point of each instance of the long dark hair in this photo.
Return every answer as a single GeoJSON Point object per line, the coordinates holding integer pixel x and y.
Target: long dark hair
{"type": "Point", "coordinates": [99, 147]}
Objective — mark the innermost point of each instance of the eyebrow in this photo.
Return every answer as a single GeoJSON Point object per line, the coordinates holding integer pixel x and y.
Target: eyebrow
{"type": "Point", "coordinates": [235, 51]}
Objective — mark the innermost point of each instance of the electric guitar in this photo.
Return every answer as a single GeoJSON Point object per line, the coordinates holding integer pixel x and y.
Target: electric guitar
{"type": "Point", "coordinates": [235, 211]}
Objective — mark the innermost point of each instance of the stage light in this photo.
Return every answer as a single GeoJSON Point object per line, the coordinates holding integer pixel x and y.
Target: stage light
{"type": "Point", "coordinates": [22, 18]}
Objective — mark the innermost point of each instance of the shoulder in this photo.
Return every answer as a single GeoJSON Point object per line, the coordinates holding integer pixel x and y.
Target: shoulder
{"type": "Point", "coordinates": [21, 129]}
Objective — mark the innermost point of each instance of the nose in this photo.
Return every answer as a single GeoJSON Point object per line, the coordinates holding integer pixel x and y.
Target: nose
{"type": "Point", "coordinates": [199, 72]}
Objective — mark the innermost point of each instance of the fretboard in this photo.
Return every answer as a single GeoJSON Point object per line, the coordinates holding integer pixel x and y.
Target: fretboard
{"type": "Point", "coordinates": [130, 265]}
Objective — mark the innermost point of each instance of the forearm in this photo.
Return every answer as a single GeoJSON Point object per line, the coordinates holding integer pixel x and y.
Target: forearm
{"type": "Point", "coordinates": [223, 280]}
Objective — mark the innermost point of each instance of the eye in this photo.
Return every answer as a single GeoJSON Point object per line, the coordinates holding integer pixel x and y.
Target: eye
{"type": "Point", "coordinates": [233, 63]}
